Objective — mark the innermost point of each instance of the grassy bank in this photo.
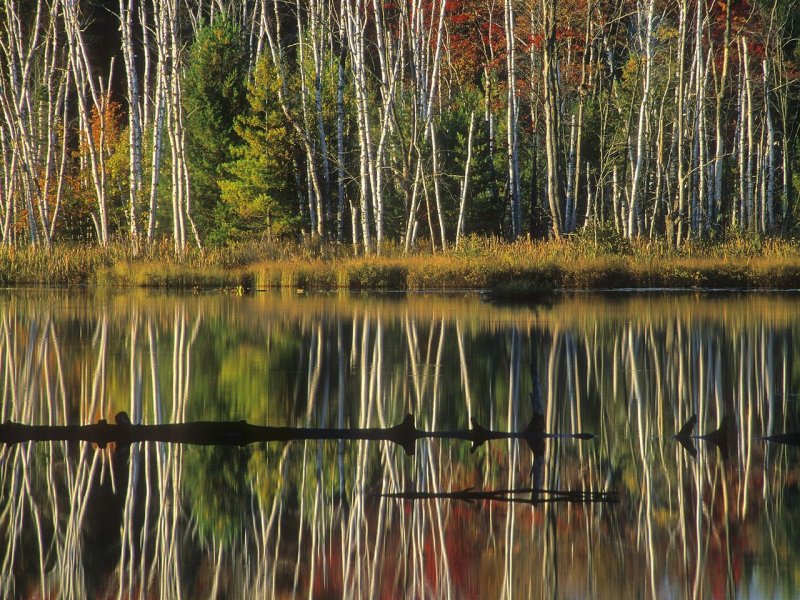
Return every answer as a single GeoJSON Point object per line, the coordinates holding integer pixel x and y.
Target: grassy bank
{"type": "Point", "coordinates": [521, 268]}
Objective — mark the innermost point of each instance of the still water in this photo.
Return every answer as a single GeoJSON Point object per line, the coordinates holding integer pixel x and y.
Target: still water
{"type": "Point", "coordinates": [308, 518]}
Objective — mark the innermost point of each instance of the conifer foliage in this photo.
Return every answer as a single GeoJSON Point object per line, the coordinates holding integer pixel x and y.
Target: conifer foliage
{"type": "Point", "coordinates": [257, 184]}
{"type": "Point", "coordinates": [215, 82]}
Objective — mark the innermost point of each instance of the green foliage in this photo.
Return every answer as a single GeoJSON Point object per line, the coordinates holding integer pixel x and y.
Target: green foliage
{"type": "Point", "coordinates": [485, 203]}
{"type": "Point", "coordinates": [214, 97]}
{"type": "Point", "coordinates": [257, 186]}
{"type": "Point", "coordinates": [603, 238]}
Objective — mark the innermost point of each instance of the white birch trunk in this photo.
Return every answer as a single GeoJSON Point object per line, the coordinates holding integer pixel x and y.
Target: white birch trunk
{"type": "Point", "coordinates": [465, 181]}
{"type": "Point", "coordinates": [719, 156]}
{"type": "Point", "coordinates": [159, 114]}
{"type": "Point", "coordinates": [181, 199]}
{"type": "Point", "coordinates": [303, 134]}
{"type": "Point", "coordinates": [436, 188]}
{"type": "Point", "coordinates": [644, 106]}
{"type": "Point", "coordinates": [551, 115]}
{"type": "Point", "coordinates": [318, 46]}
{"type": "Point", "coordinates": [25, 73]}
{"type": "Point", "coordinates": [569, 206]}
{"type": "Point", "coordinates": [512, 121]}
{"type": "Point", "coordinates": [749, 221]}
{"type": "Point", "coordinates": [314, 199]}
{"type": "Point", "coordinates": [679, 124]}
{"type": "Point", "coordinates": [698, 166]}
{"type": "Point", "coordinates": [340, 141]}
{"type": "Point", "coordinates": [740, 211]}
{"type": "Point", "coordinates": [426, 74]}
{"type": "Point", "coordinates": [770, 154]}
{"type": "Point", "coordinates": [126, 8]}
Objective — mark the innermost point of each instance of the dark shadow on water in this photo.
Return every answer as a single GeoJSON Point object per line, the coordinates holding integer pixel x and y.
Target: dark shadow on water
{"type": "Point", "coordinates": [533, 496]}
{"type": "Point", "coordinates": [684, 436]}
{"type": "Point", "coordinates": [788, 439]}
{"type": "Point", "coordinates": [722, 437]}
{"type": "Point", "coordinates": [240, 433]}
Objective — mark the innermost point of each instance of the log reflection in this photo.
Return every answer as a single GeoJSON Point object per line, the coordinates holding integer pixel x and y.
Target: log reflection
{"type": "Point", "coordinates": [240, 433]}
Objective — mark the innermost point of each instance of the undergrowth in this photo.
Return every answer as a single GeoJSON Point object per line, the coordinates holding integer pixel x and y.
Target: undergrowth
{"type": "Point", "coordinates": [587, 260]}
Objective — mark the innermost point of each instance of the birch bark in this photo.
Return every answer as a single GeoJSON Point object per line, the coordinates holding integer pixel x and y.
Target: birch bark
{"type": "Point", "coordinates": [512, 121]}
{"type": "Point", "coordinates": [644, 106]}
{"type": "Point", "coordinates": [551, 116]}
{"type": "Point", "coordinates": [126, 11]}
{"type": "Point", "coordinates": [465, 181]}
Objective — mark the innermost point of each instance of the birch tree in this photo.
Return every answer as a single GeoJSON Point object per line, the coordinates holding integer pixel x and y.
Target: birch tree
{"type": "Point", "coordinates": [33, 94]}
{"type": "Point", "coordinates": [551, 116]}
{"type": "Point", "coordinates": [126, 12]}
{"type": "Point", "coordinates": [721, 89]}
{"type": "Point", "coordinates": [512, 121]}
{"type": "Point", "coordinates": [88, 90]}
{"type": "Point", "coordinates": [426, 47]}
{"type": "Point", "coordinates": [646, 40]}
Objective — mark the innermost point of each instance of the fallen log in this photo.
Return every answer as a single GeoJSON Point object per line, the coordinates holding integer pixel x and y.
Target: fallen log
{"type": "Point", "coordinates": [241, 433]}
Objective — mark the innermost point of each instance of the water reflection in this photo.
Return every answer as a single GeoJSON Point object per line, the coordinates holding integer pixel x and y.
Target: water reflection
{"type": "Point", "coordinates": [123, 433]}
{"type": "Point", "coordinates": [315, 518]}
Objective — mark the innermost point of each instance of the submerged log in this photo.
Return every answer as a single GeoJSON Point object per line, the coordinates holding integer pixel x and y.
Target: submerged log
{"type": "Point", "coordinates": [722, 437]}
{"type": "Point", "coordinates": [241, 433]}
{"type": "Point", "coordinates": [789, 438]}
{"type": "Point", "coordinates": [684, 436]}
{"type": "Point", "coordinates": [533, 495]}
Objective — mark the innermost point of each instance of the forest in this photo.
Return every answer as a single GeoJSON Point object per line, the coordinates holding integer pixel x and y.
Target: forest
{"type": "Point", "coordinates": [409, 123]}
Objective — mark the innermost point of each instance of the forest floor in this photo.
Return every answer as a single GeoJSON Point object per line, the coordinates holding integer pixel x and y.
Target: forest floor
{"type": "Point", "coordinates": [521, 268]}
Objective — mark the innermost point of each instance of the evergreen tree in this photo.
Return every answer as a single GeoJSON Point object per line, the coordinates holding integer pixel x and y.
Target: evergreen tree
{"type": "Point", "coordinates": [215, 91]}
{"type": "Point", "coordinates": [258, 186]}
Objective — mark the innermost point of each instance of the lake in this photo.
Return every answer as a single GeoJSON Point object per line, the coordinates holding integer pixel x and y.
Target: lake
{"type": "Point", "coordinates": [631, 513]}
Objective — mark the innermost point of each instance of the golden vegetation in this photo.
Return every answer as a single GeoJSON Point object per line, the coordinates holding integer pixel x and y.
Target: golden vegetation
{"type": "Point", "coordinates": [520, 268]}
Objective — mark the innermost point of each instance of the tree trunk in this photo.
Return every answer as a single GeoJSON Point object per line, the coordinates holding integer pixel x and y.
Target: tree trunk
{"type": "Point", "coordinates": [465, 180]}
{"type": "Point", "coordinates": [770, 154]}
{"type": "Point", "coordinates": [749, 220]}
{"type": "Point", "coordinates": [679, 124]}
{"type": "Point", "coordinates": [722, 85]}
{"type": "Point", "coordinates": [551, 116]}
{"type": "Point", "coordinates": [512, 122]}
{"type": "Point", "coordinates": [340, 137]}
{"type": "Point", "coordinates": [126, 8]}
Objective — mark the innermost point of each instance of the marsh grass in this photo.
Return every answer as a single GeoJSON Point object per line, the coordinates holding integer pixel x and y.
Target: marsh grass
{"type": "Point", "coordinates": [529, 267]}
{"type": "Point", "coordinates": [172, 275]}
{"type": "Point", "coordinates": [515, 269]}
{"type": "Point", "coordinates": [66, 265]}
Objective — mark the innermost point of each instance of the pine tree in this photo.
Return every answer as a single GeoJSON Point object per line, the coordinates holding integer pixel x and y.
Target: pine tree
{"type": "Point", "coordinates": [258, 184]}
{"type": "Point", "coordinates": [215, 93]}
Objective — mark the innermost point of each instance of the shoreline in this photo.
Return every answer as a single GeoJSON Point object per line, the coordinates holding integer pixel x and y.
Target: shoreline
{"type": "Point", "coordinates": [501, 269]}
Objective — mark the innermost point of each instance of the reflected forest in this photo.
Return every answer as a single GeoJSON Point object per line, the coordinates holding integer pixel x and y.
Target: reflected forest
{"type": "Point", "coordinates": [628, 511]}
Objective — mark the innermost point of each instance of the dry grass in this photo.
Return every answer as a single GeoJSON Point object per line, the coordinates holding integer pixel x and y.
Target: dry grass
{"type": "Point", "coordinates": [531, 266]}
{"type": "Point", "coordinates": [524, 267]}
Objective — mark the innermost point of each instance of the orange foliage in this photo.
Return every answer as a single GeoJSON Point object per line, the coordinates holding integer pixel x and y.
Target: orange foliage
{"type": "Point", "coordinates": [106, 131]}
